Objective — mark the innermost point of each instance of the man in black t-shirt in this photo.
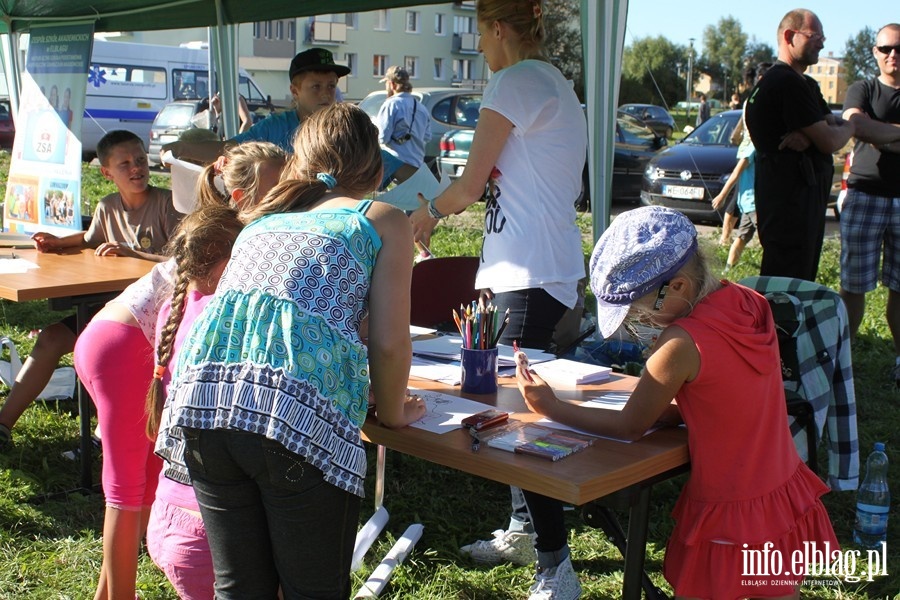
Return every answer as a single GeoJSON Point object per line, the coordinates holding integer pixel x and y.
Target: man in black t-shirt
{"type": "Point", "coordinates": [870, 216]}
{"type": "Point", "coordinates": [794, 133]}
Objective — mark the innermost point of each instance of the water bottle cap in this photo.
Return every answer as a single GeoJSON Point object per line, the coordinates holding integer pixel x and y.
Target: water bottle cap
{"type": "Point", "coordinates": [879, 446]}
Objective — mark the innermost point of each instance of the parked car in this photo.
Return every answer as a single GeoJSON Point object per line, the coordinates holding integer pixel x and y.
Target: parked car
{"type": "Point", "coordinates": [688, 175]}
{"type": "Point", "coordinates": [635, 145]}
{"type": "Point", "coordinates": [451, 109]}
{"type": "Point", "coordinates": [7, 126]}
{"type": "Point", "coordinates": [174, 119]}
{"type": "Point", "coordinates": [655, 117]}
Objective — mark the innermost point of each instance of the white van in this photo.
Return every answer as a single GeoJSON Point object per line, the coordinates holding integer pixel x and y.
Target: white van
{"type": "Point", "coordinates": [128, 84]}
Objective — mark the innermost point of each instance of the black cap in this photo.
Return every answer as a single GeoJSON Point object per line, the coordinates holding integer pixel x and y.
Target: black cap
{"type": "Point", "coordinates": [316, 59]}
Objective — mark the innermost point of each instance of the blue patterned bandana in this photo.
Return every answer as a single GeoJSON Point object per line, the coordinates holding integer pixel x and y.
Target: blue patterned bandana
{"type": "Point", "coordinates": [640, 251]}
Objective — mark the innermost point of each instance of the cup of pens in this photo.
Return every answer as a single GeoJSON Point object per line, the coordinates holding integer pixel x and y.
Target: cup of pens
{"type": "Point", "coordinates": [480, 327]}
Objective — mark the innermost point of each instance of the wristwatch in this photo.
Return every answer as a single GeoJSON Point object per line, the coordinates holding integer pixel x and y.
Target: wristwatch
{"type": "Point", "coordinates": [433, 211]}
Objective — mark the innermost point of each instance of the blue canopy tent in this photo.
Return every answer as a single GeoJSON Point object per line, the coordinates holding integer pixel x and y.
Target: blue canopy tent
{"type": "Point", "coordinates": [602, 25]}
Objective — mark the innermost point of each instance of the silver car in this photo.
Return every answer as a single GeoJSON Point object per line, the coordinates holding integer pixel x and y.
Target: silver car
{"type": "Point", "coordinates": [450, 109]}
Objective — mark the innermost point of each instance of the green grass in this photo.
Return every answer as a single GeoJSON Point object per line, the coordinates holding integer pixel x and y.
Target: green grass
{"type": "Point", "coordinates": [51, 549]}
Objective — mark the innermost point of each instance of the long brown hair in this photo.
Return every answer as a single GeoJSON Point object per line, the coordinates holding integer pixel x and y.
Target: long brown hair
{"type": "Point", "coordinates": [339, 141]}
{"type": "Point", "coordinates": [203, 240]}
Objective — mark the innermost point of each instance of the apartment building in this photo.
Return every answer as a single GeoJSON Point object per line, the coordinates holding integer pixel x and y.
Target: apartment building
{"type": "Point", "coordinates": [829, 72]}
{"type": "Point", "coordinates": [436, 43]}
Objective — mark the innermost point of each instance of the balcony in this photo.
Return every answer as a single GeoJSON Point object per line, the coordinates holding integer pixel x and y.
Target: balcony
{"type": "Point", "coordinates": [326, 33]}
{"type": "Point", "coordinates": [465, 43]}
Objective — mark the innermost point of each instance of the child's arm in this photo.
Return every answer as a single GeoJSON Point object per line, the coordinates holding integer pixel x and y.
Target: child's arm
{"type": "Point", "coordinates": [47, 242]}
{"type": "Point", "coordinates": [674, 361]}
{"type": "Point", "coordinates": [719, 200]}
{"type": "Point", "coordinates": [120, 249]}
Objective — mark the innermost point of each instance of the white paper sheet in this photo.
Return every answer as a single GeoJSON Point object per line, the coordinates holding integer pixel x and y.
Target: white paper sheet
{"type": "Point", "coordinates": [447, 347]}
{"type": "Point", "coordinates": [404, 196]}
{"type": "Point", "coordinates": [607, 400]}
{"type": "Point", "coordinates": [13, 266]}
{"type": "Point", "coordinates": [184, 182]}
{"type": "Point", "coordinates": [444, 412]}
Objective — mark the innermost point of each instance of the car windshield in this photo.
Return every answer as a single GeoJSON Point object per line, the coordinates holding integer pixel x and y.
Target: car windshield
{"type": "Point", "coordinates": [175, 115]}
{"type": "Point", "coordinates": [714, 132]}
{"type": "Point", "coordinates": [634, 131]}
{"type": "Point", "coordinates": [372, 103]}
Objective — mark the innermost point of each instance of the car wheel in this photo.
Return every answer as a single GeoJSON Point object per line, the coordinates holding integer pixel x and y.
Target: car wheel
{"type": "Point", "coordinates": [583, 201]}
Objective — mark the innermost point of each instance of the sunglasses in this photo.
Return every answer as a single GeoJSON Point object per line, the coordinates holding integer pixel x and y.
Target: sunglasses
{"type": "Point", "coordinates": [886, 50]}
{"type": "Point", "coordinates": [813, 37]}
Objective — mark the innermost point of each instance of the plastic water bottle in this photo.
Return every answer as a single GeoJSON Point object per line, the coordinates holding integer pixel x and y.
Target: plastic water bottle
{"type": "Point", "coordinates": [873, 499]}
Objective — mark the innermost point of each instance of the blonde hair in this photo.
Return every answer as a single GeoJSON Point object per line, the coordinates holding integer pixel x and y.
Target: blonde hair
{"type": "Point", "coordinates": [239, 170]}
{"type": "Point", "coordinates": [339, 141]}
{"type": "Point", "coordinates": [203, 240]}
{"type": "Point", "coordinates": [525, 18]}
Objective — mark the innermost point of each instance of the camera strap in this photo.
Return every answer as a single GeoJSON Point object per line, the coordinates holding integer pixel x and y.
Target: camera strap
{"type": "Point", "coordinates": [405, 138]}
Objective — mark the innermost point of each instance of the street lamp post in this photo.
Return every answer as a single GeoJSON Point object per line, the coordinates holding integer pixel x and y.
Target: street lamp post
{"type": "Point", "coordinates": [690, 77]}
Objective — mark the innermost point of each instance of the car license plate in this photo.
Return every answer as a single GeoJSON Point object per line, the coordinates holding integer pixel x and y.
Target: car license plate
{"type": "Point", "coordinates": [683, 191]}
{"type": "Point", "coordinates": [166, 139]}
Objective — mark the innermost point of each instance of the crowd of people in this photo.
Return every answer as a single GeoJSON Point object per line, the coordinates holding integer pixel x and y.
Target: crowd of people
{"type": "Point", "coordinates": [232, 381]}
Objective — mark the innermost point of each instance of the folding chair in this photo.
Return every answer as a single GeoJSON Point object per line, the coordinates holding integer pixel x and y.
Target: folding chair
{"type": "Point", "coordinates": [438, 286]}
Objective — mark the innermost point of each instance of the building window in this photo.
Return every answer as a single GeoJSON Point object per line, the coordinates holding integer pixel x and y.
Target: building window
{"type": "Point", "coordinates": [382, 23]}
{"type": "Point", "coordinates": [292, 30]}
{"type": "Point", "coordinates": [464, 25]}
{"type": "Point", "coordinates": [257, 29]}
{"type": "Point", "coordinates": [440, 24]}
{"type": "Point", "coordinates": [411, 64]}
{"type": "Point", "coordinates": [438, 68]}
{"type": "Point", "coordinates": [412, 21]}
{"type": "Point", "coordinates": [279, 27]}
{"type": "Point", "coordinates": [462, 69]}
{"type": "Point", "coordinates": [379, 65]}
{"type": "Point", "coordinates": [268, 30]}
{"type": "Point", "coordinates": [351, 20]}
{"type": "Point", "coordinates": [352, 62]}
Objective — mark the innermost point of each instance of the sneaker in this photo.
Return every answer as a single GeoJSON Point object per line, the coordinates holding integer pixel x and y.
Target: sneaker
{"type": "Point", "coordinates": [5, 437]}
{"type": "Point", "coordinates": [516, 547]}
{"type": "Point", "coordinates": [558, 583]}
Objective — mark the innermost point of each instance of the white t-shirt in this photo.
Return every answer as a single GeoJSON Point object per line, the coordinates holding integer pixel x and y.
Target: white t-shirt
{"type": "Point", "coordinates": [530, 236]}
{"type": "Point", "coordinates": [145, 296]}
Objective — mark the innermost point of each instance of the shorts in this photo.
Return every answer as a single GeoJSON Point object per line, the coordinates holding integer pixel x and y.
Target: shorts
{"type": "Point", "coordinates": [870, 234]}
{"type": "Point", "coordinates": [747, 227]}
{"type": "Point", "coordinates": [176, 541]}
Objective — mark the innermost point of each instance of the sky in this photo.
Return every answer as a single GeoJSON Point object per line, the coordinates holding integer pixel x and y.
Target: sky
{"type": "Point", "coordinates": [680, 20]}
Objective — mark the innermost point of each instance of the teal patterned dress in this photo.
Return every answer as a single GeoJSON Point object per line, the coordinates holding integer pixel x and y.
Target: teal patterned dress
{"type": "Point", "coordinates": [277, 351]}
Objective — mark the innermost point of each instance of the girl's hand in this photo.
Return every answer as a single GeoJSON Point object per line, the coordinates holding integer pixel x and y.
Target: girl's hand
{"type": "Point", "coordinates": [413, 408]}
{"type": "Point", "coordinates": [538, 395]}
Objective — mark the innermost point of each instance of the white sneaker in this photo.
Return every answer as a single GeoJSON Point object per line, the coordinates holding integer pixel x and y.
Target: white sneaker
{"type": "Point", "coordinates": [558, 583]}
{"type": "Point", "coordinates": [516, 547]}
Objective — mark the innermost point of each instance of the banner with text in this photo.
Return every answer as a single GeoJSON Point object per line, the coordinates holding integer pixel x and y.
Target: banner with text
{"type": "Point", "coordinates": [44, 188]}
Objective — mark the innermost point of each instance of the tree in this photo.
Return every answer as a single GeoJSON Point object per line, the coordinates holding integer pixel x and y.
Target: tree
{"type": "Point", "coordinates": [650, 72]}
{"type": "Point", "coordinates": [562, 24]}
{"type": "Point", "coordinates": [724, 46]}
{"type": "Point", "coordinates": [758, 52]}
{"type": "Point", "coordinates": [858, 60]}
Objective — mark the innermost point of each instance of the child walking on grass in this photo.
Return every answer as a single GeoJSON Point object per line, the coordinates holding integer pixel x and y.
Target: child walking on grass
{"type": "Point", "coordinates": [717, 356]}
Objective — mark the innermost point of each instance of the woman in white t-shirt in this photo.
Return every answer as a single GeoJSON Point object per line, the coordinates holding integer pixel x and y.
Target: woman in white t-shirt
{"type": "Point", "coordinates": [528, 150]}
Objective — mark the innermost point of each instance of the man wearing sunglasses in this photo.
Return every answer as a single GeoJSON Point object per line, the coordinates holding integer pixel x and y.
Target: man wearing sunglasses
{"type": "Point", "coordinates": [794, 133]}
{"type": "Point", "coordinates": [870, 215]}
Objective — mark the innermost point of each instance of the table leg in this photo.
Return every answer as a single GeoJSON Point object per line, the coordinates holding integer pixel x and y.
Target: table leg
{"type": "Point", "coordinates": [380, 455]}
{"type": "Point", "coordinates": [636, 550]}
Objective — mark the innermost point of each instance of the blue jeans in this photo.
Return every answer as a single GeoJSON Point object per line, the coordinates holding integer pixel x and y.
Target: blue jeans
{"type": "Point", "coordinates": [270, 518]}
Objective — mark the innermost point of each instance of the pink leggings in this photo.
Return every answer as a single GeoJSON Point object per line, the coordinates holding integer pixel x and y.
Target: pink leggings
{"type": "Point", "coordinates": [115, 363]}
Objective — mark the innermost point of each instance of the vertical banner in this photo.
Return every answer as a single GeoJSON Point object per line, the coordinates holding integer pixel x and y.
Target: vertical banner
{"type": "Point", "coordinates": [44, 188]}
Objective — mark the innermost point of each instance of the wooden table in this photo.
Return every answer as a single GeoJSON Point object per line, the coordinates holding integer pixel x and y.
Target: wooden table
{"type": "Point", "coordinates": [607, 468]}
{"type": "Point", "coordinates": [74, 279]}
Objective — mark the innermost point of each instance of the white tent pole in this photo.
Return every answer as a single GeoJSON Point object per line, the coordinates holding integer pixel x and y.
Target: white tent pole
{"type": "Point", "coordinates": [603, 38]}
{"type": "Point", "coordinates": [225, 47]}
{"type": "Point", "coordinates": [11, 71]}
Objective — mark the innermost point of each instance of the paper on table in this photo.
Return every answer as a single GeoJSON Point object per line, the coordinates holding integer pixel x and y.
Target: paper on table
{"type": "Point", "coordinates": [444, 412]}
{"type": "Point", "coordinates": [609, 401]}
{"type": "Point", "coordinates": [14, 266]}
{"type": "Point", "coordinates": [447, 347]}
{"type": "Point", "coordinates": [446, 373]}
{"type": "Point", "coordinates": [404, 196]}
{"type": "Point", "coordinates": [415, 331]}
